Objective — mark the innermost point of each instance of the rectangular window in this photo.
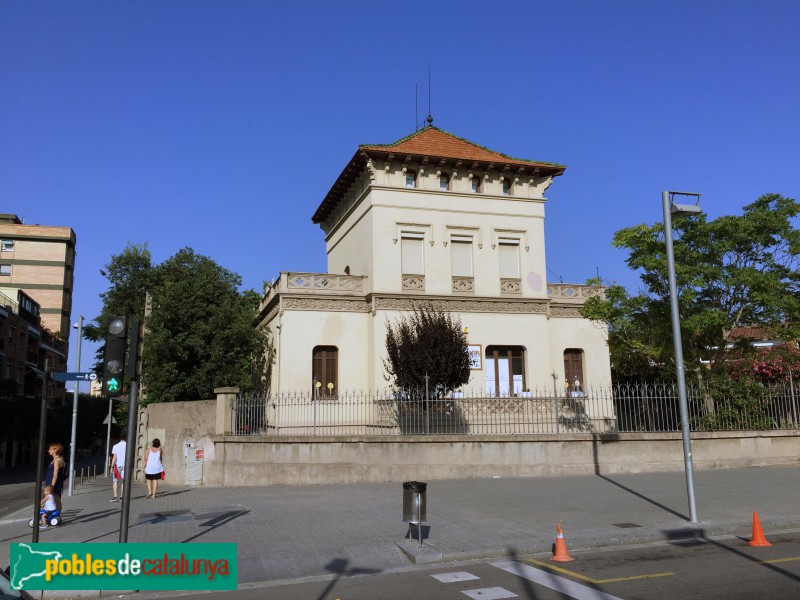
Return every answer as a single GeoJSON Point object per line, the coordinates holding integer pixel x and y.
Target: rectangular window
{"type": "Point", "coordinates": [476, 185]}
{"type": "Point", "coordinates": [506, 187]}
{"type": "Point", "coordinates": [412, 258]}
{"type": "Point", "coordinates": [411, 179]}
{"type": "Point", "coordinates": [444, 182]}
{"type": "Point", "coordinates": [7, 245]}
{"type": "Point", "coordinates": [461, 256]}
{"type": "Point", "coordinates": [325, 366]}
{"type": "Point", "coordinates": [5, 270]}
{"type": "Point", "coordinates": [573, 370]}
{"type": "Point", "coordinates": [509, 259]}
{"type": "Point", "coordinates": [505, 370]}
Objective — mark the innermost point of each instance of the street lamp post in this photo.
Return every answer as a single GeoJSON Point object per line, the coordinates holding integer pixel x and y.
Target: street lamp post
{"type": "Point", "coordinates": [667, 200]}
{"type": "Point", "coordinates": [79, 327]}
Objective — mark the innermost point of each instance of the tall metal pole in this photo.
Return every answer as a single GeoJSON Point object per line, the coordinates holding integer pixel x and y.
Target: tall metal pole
{"type": "Point", "coordinates": [130, 451]}
{"type": "Point", "coordinates": [676, 336]}
{"type": "Point", "coordinates": [37, 498]}
{"type": "Point", "coordinates": [75, 409]}
{"type": "Point", "coordinates": [131, 444]}
{"type": "Point", "coordinates": [108, 433]}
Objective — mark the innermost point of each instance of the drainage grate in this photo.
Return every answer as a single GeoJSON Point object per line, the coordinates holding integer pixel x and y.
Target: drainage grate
{"type": "Point", "coordinates": [625, 525]}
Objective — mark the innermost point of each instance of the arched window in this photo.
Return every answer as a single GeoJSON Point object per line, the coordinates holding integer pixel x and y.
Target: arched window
{"type": "Point", "coordinates": [505, 370]}
{"type": "Point", "coordinates": [325, 369]}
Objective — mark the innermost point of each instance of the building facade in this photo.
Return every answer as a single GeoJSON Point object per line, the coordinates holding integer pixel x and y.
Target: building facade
{"type": "Point", "coordinates": [434, 219]}
{"type": "Point", "coordinates": [40, 261]}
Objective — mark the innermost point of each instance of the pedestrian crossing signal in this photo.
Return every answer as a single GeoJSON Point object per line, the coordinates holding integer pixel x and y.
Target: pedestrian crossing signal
{"type": "Point", "coordinates": [114, 355]}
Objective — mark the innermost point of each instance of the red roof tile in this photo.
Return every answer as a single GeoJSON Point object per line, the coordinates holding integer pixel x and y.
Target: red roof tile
{"type": "Point", "coordinates": [432, 143]}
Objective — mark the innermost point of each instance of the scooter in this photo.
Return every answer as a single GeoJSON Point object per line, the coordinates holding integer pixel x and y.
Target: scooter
{"type": "Point", "coordinates": [54, 521]}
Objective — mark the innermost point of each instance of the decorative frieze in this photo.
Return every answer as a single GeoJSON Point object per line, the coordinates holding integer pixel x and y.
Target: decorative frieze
{"type": "Point", "coordinates": [458, 305]}
{"type": "Point", "coordinates": [463, 284]}
{"type": "Point", "coordinates": [322, 304]}
{"type": "Point", "coordinates": [272, 312]}
{"type": "Point", "coordinates": [565, 311]}
{"type": "Point", "coordinates": [325, 282]}
{"type": "Point", "coordinates": [414, 282]}
{"type": "Point", "coordinates": [573, 292]}
{"type": "Point", "coordinates": [510, 286]}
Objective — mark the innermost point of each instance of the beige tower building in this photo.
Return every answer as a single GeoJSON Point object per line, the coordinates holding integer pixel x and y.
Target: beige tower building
{"type": "Point", "coordinates": [40, 261]}
{"type": "Point", "coordinates": [434, 218]}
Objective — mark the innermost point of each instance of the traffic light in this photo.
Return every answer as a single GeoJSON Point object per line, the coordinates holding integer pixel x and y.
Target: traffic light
{"type": "Point", "coordinates": [114, 357]}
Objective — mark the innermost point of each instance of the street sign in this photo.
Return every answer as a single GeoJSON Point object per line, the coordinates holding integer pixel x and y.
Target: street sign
{"type": "Point", "coordinates": [75, 376]}
{"type": "Point", "coordinates": [113, 420]}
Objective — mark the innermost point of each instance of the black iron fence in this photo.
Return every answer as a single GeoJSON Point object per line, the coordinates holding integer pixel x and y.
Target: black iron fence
{"type": "Point", "coordinates": [645, 407]}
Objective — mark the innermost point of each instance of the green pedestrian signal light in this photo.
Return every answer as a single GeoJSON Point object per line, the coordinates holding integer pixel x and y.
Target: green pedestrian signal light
{"type": "Point", "coordinates": [112, 385]}
{"type": "Point", "coordinates": [114, 355]}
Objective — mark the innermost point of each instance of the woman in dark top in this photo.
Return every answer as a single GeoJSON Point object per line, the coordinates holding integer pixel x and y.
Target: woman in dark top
{"type": "Point", "coordinates": [56, 472]}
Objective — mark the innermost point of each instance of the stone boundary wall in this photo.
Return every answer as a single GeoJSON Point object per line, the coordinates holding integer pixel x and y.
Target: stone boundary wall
{"type": "Point", "coordinates": [229, 460]}
{"type": "Point", "coordinates": [271, 460]}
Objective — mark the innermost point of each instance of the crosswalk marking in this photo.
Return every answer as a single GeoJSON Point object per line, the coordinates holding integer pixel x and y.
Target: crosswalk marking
{"type": "Point", "coordinates": [554, 582]}
{"type": "Point", "coordinates": [495, 593]}
{"type": "Point", "coordinates": [454, 577]}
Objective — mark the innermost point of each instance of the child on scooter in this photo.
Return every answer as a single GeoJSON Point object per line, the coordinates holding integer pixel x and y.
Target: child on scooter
{"type": "Point", "coordinates": [48, 507]}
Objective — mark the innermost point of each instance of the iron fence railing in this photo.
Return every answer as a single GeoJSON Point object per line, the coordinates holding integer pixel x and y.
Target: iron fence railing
{"type": "Point", "coordinates": [618, 408]}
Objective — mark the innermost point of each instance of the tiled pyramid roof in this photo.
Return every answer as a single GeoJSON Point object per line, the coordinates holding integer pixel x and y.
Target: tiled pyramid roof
{"type": "Point", "coordinates": [432, 144]}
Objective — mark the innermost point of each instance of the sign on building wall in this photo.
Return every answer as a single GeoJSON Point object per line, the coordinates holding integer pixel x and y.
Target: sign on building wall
{"type": "Point", "coordinates": [474, 357]}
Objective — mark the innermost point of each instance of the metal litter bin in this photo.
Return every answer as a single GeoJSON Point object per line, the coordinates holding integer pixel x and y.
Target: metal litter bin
{"type": "Point", "coordinates": [415, 501]}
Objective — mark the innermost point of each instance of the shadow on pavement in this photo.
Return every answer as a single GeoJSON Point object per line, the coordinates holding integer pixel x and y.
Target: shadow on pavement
{"type": "Point", "coordinates": [339, 566]}
{"type": "Point", "coordinates": [217, 521]}
{"type": "Point", "coordinates": [643, 497]}
{"type": "Point", "coordinates": [513, 554]}
{"type": "Point", "coordinates": [754, 559]}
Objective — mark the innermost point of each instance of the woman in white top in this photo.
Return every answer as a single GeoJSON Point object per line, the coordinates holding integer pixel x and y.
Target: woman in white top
{"type": "Point", "coordinates": [153, 468]}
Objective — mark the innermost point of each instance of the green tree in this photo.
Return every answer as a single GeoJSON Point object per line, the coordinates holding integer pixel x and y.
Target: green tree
{"type": "Point", "coordinates": [428, 342]}
{"type": "Point", "coordinates": [201, 332]}
{"type": "Point", "coordinates": [129, 274]}
{"type": "Point", "coordinates": [730, 271]}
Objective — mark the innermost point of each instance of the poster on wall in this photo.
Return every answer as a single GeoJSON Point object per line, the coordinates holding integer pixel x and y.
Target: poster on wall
{"type": "Point", "coordinates": [474, 357]}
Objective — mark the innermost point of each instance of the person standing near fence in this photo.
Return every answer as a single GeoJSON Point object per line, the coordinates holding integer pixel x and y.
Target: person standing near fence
{"type": "Point", "coordinates": [118, 466]}
{"type": "Point", "coordinates": [153, 467]}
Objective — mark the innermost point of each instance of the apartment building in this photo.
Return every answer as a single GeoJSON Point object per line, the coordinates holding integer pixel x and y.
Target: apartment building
{"type": "Point", "coordinates": [40, 261]}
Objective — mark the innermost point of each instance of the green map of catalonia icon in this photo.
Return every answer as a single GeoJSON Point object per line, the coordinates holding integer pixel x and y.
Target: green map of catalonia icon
{"type": "Point", "coordinates": [28, 564]}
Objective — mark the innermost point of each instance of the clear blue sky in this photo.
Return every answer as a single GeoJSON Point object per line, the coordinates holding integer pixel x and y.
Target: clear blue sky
{"type": "Point", "coordinates": [221, 125]}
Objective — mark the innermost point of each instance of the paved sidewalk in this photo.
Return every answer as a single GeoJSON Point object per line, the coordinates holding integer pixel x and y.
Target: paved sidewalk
{"type": "Point", "coordinates": [286, 532]}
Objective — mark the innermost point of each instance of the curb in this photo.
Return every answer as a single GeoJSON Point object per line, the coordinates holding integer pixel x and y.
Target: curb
{"type": "Point", "coordinates": [432, 553]}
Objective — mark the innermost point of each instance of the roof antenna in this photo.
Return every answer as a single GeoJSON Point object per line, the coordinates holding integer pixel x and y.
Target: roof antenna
{"type": "Point", "coordinates": [430, 118]}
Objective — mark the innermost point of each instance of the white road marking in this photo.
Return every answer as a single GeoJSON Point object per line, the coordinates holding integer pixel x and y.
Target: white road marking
{"type": "Point", "coordinates": [495, 593]}
{"type": "Point", "coordinates": [554, 582]}
{"type": "Point", "coordinates": [453, 577]}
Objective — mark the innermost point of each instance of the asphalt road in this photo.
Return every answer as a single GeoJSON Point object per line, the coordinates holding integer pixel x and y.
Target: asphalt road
{"type": "Point", "coordinates": [716, 568]}
{"type": "Point", "coordinates": [14, 496]}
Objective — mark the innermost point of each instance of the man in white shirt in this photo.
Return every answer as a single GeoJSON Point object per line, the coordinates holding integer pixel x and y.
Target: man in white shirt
{"type": "Point", "coordinates": [118, 466]}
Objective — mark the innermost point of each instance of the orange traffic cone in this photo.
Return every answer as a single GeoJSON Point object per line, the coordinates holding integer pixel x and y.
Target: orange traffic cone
{"type": "Point", "coordinates": [561, 554]}
{"type": "Point", "coordinates": [758, 533]}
